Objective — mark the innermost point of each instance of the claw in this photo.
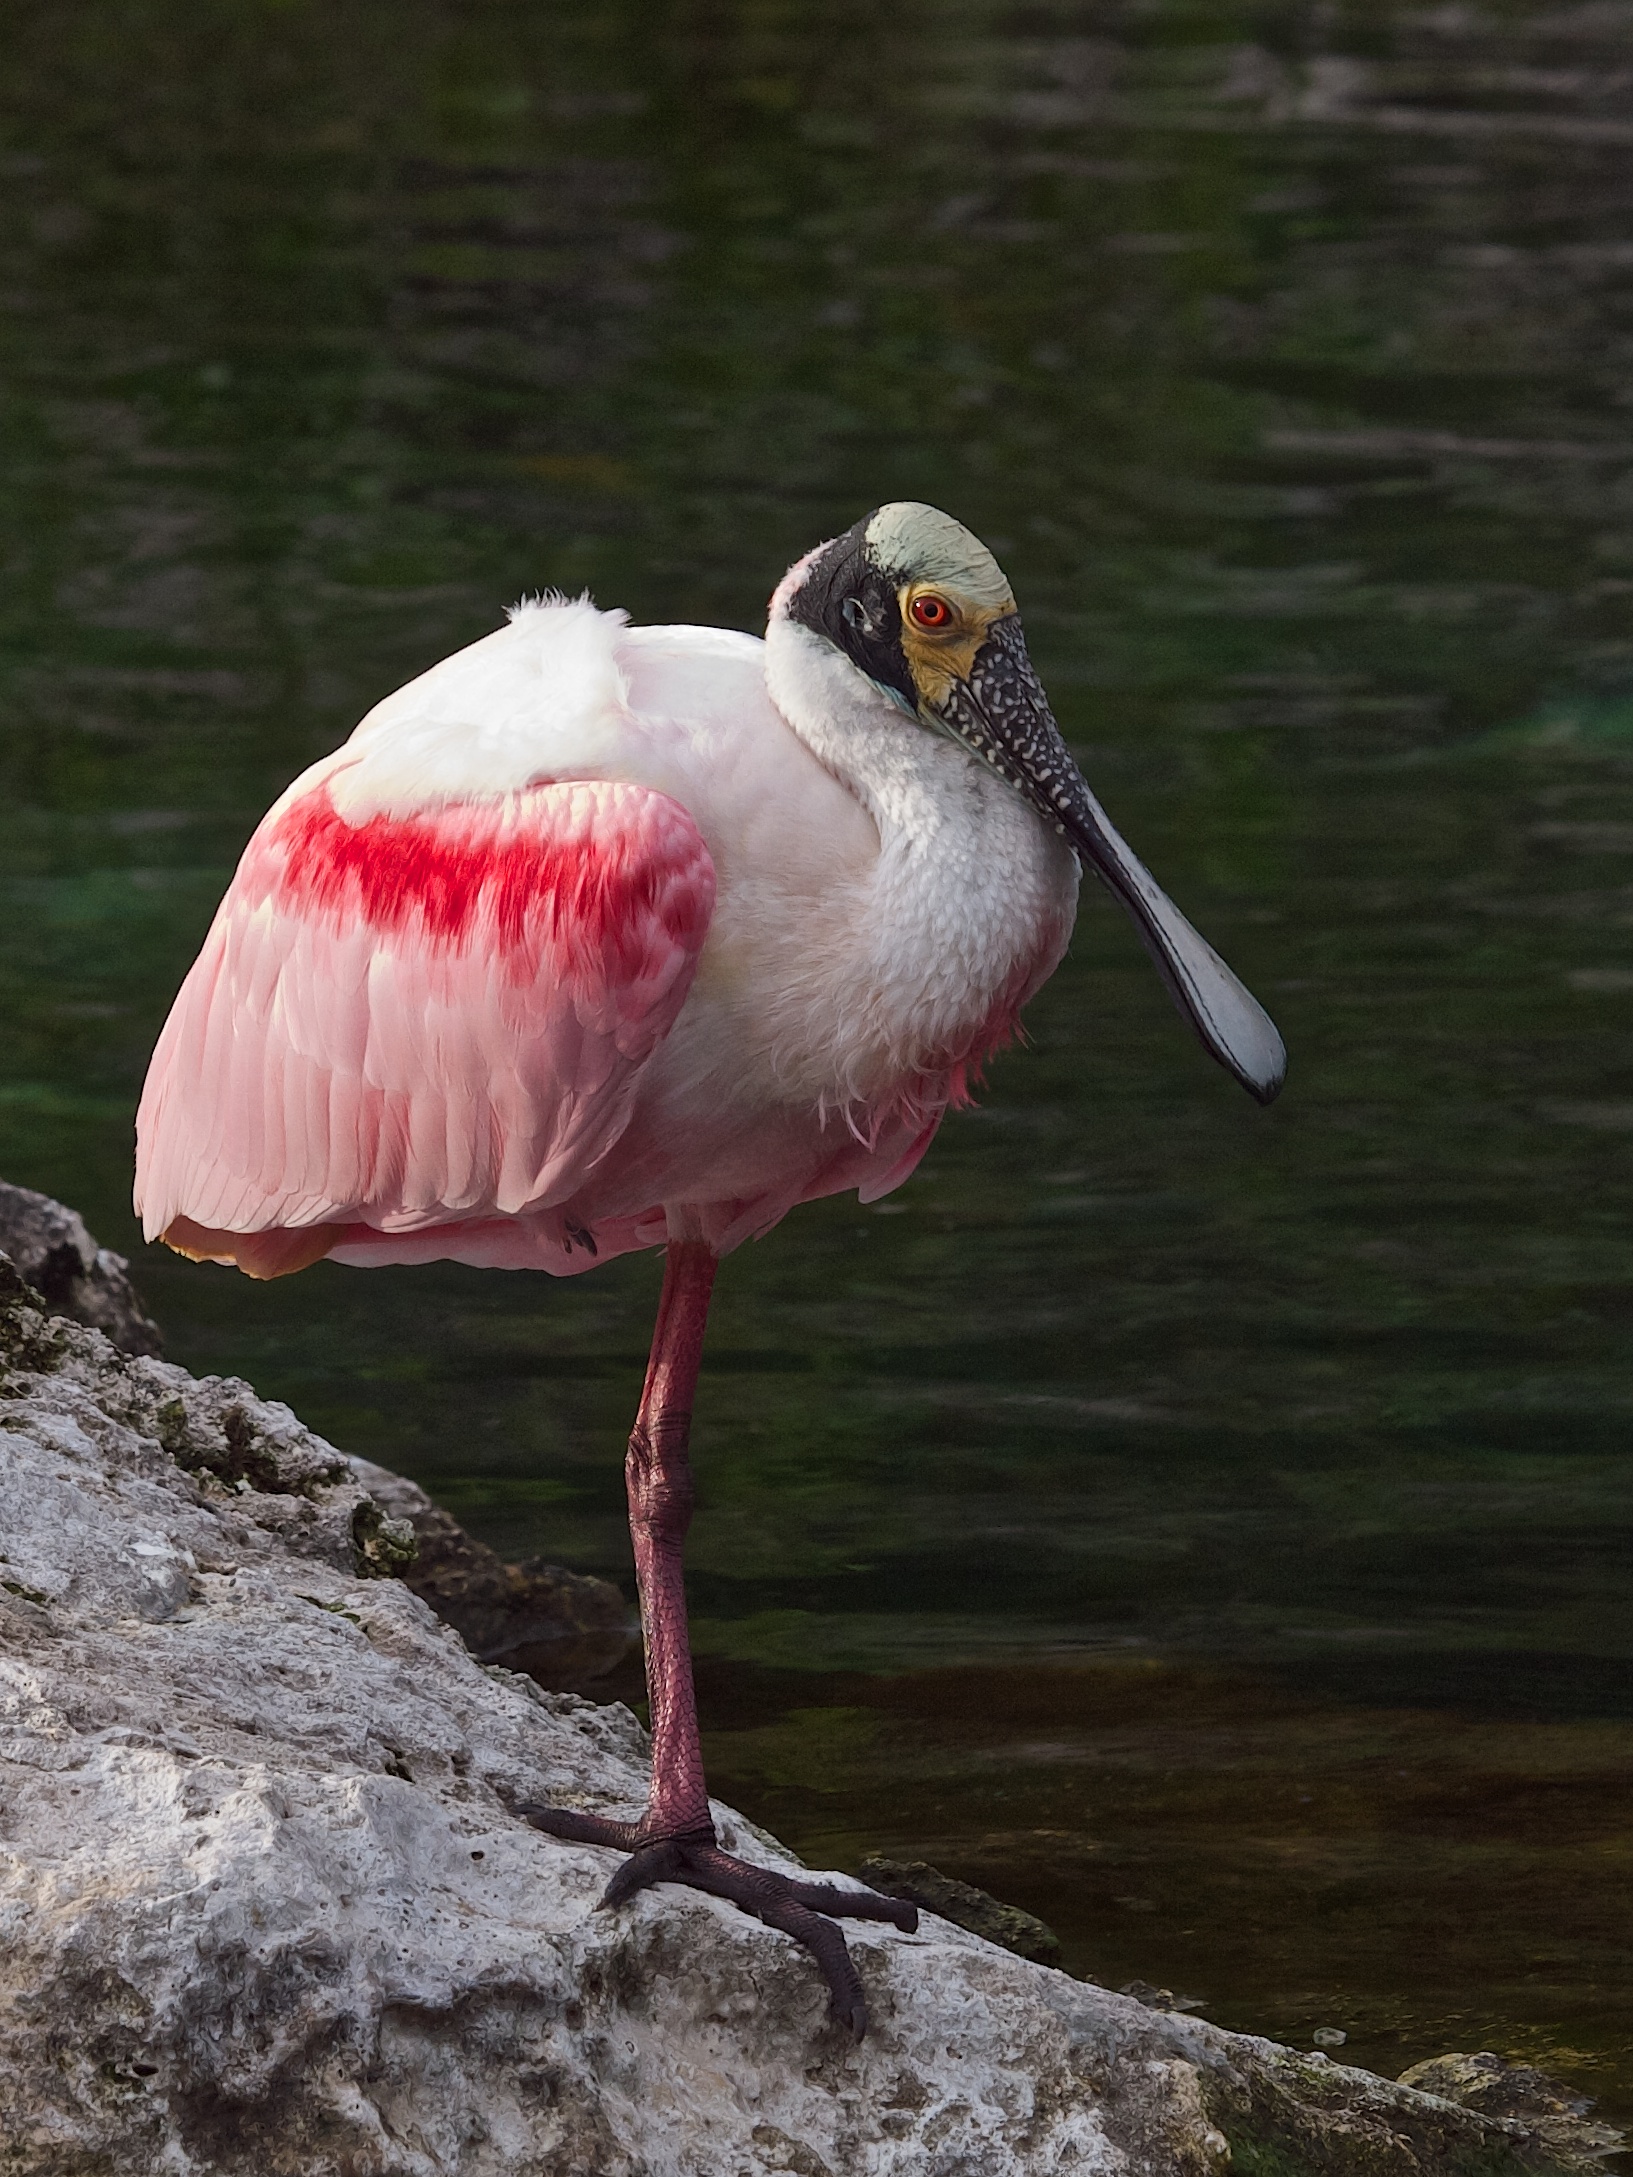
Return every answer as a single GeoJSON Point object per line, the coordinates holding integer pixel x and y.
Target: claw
{"type": "Point", "coordinates": [804, 1910]}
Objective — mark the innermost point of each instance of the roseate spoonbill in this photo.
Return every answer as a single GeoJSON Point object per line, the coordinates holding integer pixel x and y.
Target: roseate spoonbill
{"type": "Point", "coordinates": [597, 937]}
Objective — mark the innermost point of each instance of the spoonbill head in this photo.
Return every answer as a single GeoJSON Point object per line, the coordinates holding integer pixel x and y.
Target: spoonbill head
{"type": "Point", "coordinates": [922, 609]}
{"type": "Point", "coordinates": [595, 938]}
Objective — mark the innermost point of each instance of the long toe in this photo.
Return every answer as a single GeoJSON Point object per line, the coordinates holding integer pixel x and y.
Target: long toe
{"type": "Point", "coordinates": [807, 1911]}
{"type": "Point", "coordinates": [796, 1908]}
{"type": "Point", "coordinates": [661, 1862]}
{"type": "Point", "coordinates": [576, 1828]}
{"type": "Point", "coordinates": [739, 1881]}
{"type": "Point", "coordinates": [846, 2004]}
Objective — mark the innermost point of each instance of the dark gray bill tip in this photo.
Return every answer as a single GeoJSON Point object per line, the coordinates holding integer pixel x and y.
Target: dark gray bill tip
{"type": "Point", "coordinates": [1239, 1033]}
{"type": "Point", "coordinates": [1232, 1025]}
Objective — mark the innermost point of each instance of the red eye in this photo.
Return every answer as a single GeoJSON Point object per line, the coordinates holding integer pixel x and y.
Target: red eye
{"type": "Point", "coordinates": [931, 611]}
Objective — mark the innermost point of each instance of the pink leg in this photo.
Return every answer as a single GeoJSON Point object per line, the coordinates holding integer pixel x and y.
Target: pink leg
{"type": "Point", "coordinates": [658, 1477]}
{"type": "Point", "coordinates": [674, 1841]}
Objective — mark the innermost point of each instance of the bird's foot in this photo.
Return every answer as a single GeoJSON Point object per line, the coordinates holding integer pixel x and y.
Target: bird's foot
{"type": "Point", "coordinates": [805, 1910]}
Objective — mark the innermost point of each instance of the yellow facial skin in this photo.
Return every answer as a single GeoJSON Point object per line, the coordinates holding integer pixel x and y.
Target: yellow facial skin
{"type": "Point", "coordinates": [939, 656]}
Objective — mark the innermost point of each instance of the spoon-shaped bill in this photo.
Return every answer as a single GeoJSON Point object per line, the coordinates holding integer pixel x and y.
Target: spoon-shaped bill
{"type": "Point", "coordinates": [1227, 1017]}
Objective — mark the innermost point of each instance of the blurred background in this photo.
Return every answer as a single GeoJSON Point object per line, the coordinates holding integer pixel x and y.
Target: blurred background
{"type": "Point", "coordinates": [1206, 1527]}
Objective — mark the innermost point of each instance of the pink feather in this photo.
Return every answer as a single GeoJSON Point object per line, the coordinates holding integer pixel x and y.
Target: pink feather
{"type": "Point", "coordinates": [411, 1022]}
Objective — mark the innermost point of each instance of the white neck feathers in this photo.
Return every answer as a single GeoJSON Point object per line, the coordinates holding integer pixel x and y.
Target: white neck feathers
{"type": "Point", "coordinates": [899, 769]}
{"type": "Point", "coordinates": [973, 896]}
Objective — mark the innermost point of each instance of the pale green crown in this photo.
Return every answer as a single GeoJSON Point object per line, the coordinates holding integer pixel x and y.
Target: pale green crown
{"type": "Point", "coordinates": [919, 543]}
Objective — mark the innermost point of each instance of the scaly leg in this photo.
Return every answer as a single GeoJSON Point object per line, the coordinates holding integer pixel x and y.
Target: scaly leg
{"type": "Point", "coordinates": [674, 1841]}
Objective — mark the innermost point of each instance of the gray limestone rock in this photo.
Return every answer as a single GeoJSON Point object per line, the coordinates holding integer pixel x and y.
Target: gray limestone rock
{"type": "Point", "coordinates": [1487, 2082]}
{"type": "Point", "coordinates": [50, 1245]}
{"type": "Point", "coordinates": [264, 1911]}
{"type": "Point", "coordinates": [566, 1629]}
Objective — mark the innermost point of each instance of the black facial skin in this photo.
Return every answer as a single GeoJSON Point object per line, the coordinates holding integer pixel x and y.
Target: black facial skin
{"type": "Point", "coordinates": [853, 603]}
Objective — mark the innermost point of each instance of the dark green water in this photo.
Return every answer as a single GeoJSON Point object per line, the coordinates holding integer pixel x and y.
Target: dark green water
{"type": "Point", "coordinates": [1208, 1527]}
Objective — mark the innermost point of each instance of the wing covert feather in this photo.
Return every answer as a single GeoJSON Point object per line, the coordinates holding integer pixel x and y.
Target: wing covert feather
{"type": "Point", "coordinates": [410, 1019]}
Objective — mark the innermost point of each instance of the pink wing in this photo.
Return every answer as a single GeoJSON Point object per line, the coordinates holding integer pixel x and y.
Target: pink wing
{"type": "Point", "coordinates": [408, 1022]}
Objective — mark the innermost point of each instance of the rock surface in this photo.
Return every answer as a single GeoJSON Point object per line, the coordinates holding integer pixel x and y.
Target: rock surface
{"type": "Point", "coordinates": [263, 1909]}
{"type": "Point", "coordinates": [565, 1629]}
{"type": "Point", "coordinates": [51, 1246]}
{"type": "Point", "coordinates": [1486, 2082]}
{"type": "Point", "coordinates": [965, 1905]}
